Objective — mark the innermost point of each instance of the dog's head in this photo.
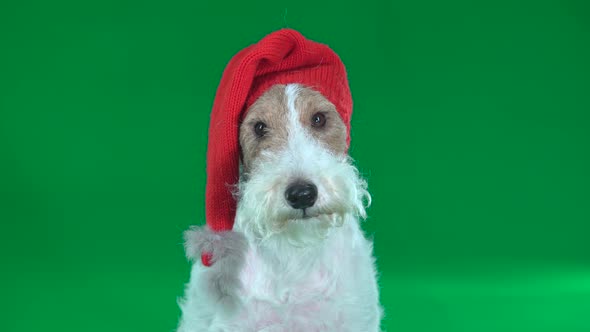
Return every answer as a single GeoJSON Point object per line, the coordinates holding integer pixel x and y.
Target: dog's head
{"type": "Point", "coordinates": [297, 180]}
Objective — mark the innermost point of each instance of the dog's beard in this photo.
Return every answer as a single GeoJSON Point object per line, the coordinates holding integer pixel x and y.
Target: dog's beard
{"type": "Point", "coordinates": [309, 231]}
{"type": "Point", "coordinates": [263, 212]}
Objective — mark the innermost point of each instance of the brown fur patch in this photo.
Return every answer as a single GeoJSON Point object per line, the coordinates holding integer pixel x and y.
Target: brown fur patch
{"type": "Point", "coordinates": [271, 108]}
{"type": "Point", "coordinates": [333, 134]}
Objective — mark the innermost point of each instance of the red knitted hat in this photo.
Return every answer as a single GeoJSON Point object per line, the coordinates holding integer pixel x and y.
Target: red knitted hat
{"type": "Point", "coordinates": [282, 57]}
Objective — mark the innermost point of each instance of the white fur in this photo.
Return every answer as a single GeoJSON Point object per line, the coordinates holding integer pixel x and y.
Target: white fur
{"type": "Point", "coordinates": [297, 273]}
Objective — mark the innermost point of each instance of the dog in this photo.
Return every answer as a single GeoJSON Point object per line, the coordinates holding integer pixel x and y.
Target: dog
{"type": "Point", "coordinates": [296, 259]}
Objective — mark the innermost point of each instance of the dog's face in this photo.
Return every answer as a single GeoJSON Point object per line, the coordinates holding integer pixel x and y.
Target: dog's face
{"type": "Point", "coordinates": [297, 180]}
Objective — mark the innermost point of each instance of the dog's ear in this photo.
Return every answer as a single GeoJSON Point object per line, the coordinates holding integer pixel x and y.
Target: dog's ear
{"type": "Point", "coordinates": [241, 155]}
{"type": "Point", "coordinates": [241, 166]}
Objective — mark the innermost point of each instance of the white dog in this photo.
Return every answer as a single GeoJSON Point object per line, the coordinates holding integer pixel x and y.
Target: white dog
{"type": "Point", "coordinates": [296, 259]}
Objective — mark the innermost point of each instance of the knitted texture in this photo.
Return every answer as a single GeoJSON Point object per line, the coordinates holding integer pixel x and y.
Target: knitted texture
{"type": "Point", "coordinates": [282, 57]}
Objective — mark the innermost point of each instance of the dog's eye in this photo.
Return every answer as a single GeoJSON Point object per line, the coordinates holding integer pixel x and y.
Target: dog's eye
{"type": "Point", "coordinates": [318, 120]}
{"type": "Point", "coordinates": [260, 128]}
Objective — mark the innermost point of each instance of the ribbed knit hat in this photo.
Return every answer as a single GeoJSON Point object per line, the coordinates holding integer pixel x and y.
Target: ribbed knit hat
{"type": "Point", "coordinates": [282, 57]}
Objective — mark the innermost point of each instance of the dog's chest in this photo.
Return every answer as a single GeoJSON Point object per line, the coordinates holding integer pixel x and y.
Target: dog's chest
{"type": "Point", "coordinates": [290, 282]}
{"type": "Point", "coordinates": [293, 296]}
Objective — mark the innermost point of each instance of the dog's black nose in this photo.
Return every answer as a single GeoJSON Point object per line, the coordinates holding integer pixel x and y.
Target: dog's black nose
{"type": "Point", "coordinates": [301, 195]}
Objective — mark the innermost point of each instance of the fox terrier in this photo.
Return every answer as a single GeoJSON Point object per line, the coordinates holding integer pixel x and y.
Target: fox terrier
{"type": "Point", "coordinates": [296, 259]}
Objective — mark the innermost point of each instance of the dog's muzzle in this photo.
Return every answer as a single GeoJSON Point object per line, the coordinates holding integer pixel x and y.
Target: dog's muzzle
{"type": "Point", "coordinates": [301, 194]}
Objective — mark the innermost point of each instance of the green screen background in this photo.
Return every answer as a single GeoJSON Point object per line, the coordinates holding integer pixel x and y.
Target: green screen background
{"type": "Point", "coordinates": [471, 124]}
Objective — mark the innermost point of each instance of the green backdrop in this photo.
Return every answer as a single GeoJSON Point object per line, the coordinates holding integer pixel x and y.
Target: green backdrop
{"type": "Point", "coordinates": [471, 123]}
